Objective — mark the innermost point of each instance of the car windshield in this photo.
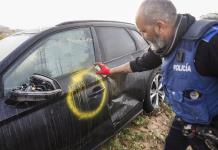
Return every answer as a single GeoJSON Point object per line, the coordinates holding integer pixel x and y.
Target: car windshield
{"type": "Point", "coordinates": [8, 44]}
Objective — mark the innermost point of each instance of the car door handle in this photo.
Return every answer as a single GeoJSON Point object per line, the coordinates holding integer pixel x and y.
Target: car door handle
{"type": "Point", "coordinates": [96, 91]}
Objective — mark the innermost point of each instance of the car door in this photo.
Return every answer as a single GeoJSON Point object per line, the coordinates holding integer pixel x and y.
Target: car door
{"type": "Point", "coordinates": [118, 47]}
{"type": "Point", "coordinates": [68, 122]}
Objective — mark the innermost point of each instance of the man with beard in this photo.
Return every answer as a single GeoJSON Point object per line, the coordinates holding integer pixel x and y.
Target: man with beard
{"type": "Point", "coordinates": [187, 50]}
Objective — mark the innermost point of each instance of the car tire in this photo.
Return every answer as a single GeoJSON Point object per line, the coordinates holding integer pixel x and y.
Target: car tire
{"type": "Point", "coordinates": [154, 93]}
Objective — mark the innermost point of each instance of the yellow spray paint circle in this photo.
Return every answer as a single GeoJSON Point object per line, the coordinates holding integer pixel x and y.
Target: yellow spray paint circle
{"type": "Point", "coordinates": [78, 79]}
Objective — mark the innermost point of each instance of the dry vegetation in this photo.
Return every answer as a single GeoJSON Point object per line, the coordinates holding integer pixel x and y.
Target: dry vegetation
{"type": "Point", "coordinates": [2, 36]}
{"type": "Point", "coordinates": [146, 132]}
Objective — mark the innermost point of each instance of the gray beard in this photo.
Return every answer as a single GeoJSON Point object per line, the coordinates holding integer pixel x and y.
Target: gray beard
{"type": "Point", "coordinates": [157, 44]}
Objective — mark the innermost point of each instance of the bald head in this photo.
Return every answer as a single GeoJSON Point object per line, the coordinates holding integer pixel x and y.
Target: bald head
{"type": "Point", "coordinates": [156, 20]}
{"type": "Point", "coordinates": [154, 10]}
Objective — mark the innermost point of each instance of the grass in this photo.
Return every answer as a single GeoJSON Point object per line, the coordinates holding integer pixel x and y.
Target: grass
{"type": "Point", "coordinates": [1, 36]}
{"type": "Point", "coordinates": [145, 132]}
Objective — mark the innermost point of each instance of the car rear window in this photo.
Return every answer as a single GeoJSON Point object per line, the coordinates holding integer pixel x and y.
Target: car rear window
{"type": "Point", "coordinates": [141, 43]}
{"type": "Point", "coordinates": [115, 42]}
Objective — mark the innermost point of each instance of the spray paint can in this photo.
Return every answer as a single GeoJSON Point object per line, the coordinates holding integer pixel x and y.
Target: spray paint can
{"type": "Point", "coordinates": [98, 68]}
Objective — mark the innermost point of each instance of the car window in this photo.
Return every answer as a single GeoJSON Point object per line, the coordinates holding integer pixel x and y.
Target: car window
{"type": "Point", "coordinates": [60, 54]}
{"type": "Point", "coordinates": [142, 44]}
{"type": "Point", "coordinates": [115, 42]}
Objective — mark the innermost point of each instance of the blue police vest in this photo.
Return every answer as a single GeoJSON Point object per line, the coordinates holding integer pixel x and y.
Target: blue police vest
{"type": "Point", "coordinates": [193, 97]}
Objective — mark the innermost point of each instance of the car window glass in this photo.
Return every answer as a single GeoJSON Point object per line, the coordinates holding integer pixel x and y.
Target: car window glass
{"type": "Point", "coordinates": [142, 44]}
{"type": "Point", "coordinates": [115, 42]}
{"type": "Point", "coordinates": [60, 54]}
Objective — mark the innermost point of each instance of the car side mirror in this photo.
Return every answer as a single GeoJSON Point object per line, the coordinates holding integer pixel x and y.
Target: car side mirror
{"type": "Point", "coordinates": [39, 88]}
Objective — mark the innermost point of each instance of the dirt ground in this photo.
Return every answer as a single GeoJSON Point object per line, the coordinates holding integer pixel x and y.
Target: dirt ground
{"type": "Point", "coordinates": [145, 132]}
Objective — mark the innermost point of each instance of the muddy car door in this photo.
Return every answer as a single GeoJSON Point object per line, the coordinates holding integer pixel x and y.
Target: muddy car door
{"type": "Point", "coordinates": [66, 122]}
{"type": "Point", "coordinates": [118, 47]}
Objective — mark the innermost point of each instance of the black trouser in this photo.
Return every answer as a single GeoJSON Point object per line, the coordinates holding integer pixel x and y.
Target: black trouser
{"type": "Point", "coordinates": [177, 141]}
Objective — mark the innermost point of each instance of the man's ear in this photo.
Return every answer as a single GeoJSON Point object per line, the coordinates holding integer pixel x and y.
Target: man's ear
{"type": "Point", "coordinates": [159, 27]}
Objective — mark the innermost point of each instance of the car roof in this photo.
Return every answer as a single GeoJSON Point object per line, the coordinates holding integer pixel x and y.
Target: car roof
{"type": "Point", "coordinates": [78, 23]}
{"type": "Point", "coordinates": [96, 23]}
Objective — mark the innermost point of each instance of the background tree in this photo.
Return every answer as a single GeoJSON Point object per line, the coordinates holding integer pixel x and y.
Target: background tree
{"type": "Point", "coordinates": [212, 16]}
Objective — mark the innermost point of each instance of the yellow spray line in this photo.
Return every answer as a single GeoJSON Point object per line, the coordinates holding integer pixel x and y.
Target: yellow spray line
{"type": "Point", "coordinates": [78, 79]}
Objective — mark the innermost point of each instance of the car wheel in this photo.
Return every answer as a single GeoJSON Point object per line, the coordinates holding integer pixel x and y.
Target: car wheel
{"type": "Point", "coordinates": [154, 94]}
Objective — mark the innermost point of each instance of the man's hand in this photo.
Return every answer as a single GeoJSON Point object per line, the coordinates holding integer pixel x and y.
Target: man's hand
{"type": "Point", "coordinates": [103, 69]}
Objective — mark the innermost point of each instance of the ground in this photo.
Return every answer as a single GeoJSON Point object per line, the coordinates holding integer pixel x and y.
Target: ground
{"type": "Point", "coordinates": [145, 132]}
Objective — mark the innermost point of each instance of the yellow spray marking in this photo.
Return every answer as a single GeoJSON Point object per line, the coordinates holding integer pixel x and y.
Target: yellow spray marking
{"type": "Point", "coordinates": [77, 81]}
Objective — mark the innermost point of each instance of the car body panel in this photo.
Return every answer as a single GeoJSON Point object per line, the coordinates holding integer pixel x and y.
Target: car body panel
{"type": "Point", "coordinates": [53, 124]}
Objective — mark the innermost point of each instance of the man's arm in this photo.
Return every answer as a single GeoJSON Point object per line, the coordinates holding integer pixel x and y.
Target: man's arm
{"type": "Point", "coordinates": [146, 62]}
{"type": "Point", "coordinates": [206, 57]}
{"type": "Point", "coordinates": [125, 68]}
